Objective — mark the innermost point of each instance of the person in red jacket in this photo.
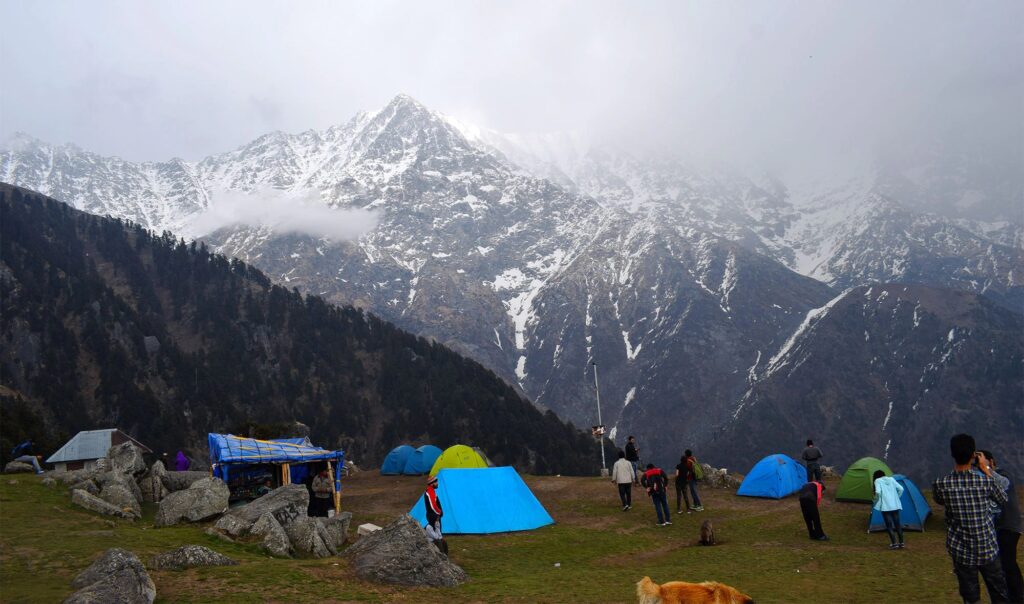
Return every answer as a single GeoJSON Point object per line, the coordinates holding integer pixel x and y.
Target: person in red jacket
{"type": "Point", "coordinates": [656, 482]}
{"type": "Point", "coordinates": [810, 497]}
{"type": "Point", "coordinates": [434, 513]}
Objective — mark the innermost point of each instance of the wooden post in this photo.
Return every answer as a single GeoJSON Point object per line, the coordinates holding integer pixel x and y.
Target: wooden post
{"type": "Point", "coordinates": [335, 495]}
{"type": "Point", "coordinates": [286, 474]}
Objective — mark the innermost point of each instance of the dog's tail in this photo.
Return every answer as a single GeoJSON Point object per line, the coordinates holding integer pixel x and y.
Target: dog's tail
{"type": "Point", "coordinates": [648, 591]}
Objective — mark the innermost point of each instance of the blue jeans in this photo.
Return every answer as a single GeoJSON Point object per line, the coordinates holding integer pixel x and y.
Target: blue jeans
{"type": "Point", "coordinates": [660, 503]}
{"type": "Point", "coordinates": [893, 525]}
{"type": "Point", "coordinates": [30, 460]}
{"type": "Point", "coordinates": [692, 486]}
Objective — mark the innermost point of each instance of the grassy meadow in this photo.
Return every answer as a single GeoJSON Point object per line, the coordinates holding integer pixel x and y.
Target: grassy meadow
{"type": "Point", "coordinates": [600, 551]}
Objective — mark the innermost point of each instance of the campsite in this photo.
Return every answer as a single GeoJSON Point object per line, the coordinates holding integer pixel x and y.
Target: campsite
{"type": "Point", "coordinates": [592, 553]}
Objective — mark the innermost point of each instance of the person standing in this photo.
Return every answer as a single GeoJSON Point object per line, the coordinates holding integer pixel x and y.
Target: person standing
{"type": "Point", "coordinates": [322, 491]}
{"type": "Point", "coordinates": [887, 501]}
{"type": "Point", "coordinates": [434, 513]}
{"type": "Point", "coordinates": [633, 455]}
{"type": "Point", "coordinates": [1008, 531]}
{"type": "Point", "coordinates": [680, 478]}
{"type": "Point", "coordinates": [691, 482]}
{"type": "Point", "coordinates": [970, 533]}
{"type": "Point", "coordinates": [811, 457]}
{"type": "Point", "coordinates": [182, 462]}
{"type": "Point", "coordinates": [810, 499]}
{"type": "Point", "coordinates": [655, 480]}
{"type": "Point", "coordinates": [623, 475]}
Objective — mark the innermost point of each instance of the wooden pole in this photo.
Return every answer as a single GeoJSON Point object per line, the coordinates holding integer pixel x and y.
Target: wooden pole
{"type": "Point", "coordinates": [335, 495]}
{"type": "Point", "coordinates": [286, 474]}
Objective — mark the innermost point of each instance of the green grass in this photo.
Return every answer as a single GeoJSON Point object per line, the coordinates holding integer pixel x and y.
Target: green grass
{"type": "Point", "coordinates": [45, 541]}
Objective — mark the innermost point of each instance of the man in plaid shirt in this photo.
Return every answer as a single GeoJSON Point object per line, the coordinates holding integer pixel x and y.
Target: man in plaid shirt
{"type": "Point", "coordinates": [971, 534]}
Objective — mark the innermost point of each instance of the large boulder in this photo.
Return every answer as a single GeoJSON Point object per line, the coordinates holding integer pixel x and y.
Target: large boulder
{"type": "Point", "coordinates": [179, 481]}
{"type": "Point", "coordinates": [719, 478]}
{"type": "Point", "coordinates": [119, 495]}
{"type": "Point", "coordinates": [309, 537]}
{"type": "Point", "coordinates": [86, 485]}
{"type": "Point", "coordinates": [113, 477]}
{"type": "Point", "coordinates": [337, 529]}
{"type": "Point", "coordinates": [285, 504]}
{"type": "Point", "coordinates": [95, 504]}
{"type": "Point", "coordinates": [117, 576]}
{"type": "Point", "coordinates": [152, 484]}
{"type": "Point", "coordinates": [275, 539]}
{"type": "Point", "coordinates": [401, 554]}
{"type": "Point", "coordinates": [18, 467]}
{"type": "Point", "coordinates": [232, 525]}
{"type": "Point", "coordinates": [203, 500]}
{"type": "Point", "coordinates": [126, 458]}
{"type": "Point", "coordinates": [190, 556]}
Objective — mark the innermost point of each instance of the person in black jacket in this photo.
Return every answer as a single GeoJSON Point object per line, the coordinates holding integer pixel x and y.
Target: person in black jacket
{"type": "Point", "coordinates": [633, 455]}
{"type": "Point", "coordinates": [810, 497]}
{"type": "Point", "coordinates": [812, 457]}
{"type": "Point", "coordinates": [656, 482]}
{"type": "Point", "coordinates": [1008, 531]}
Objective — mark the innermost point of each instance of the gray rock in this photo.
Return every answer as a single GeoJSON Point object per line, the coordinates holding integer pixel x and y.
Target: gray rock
{"type": "Point", "coordinates": [113, 477]}
{"type": "Point", "coordinates": [152, 344]}
{"type": "Point", "coordinates": [95, 504]}
{"type": "Point", "coordinates": [179, 481]}
{"type": "Point", "coordinates": [309, 537]}
{"type": "Point", "coordinates": [233, 525]}
{"type": "Point", "coordinates": [203, 500]}
{"type": "Point", "coordinates": [190, 556]}
{"type": "Point", "coordinates": [719, 478]}
{"type": "Point", "coordinates": [286, 504]}
{"type": "Point", "coordinates": [120, 496]}
{"type": "Point", "coordinates": [152, 484]}
{"type": "Point", "coordinates": [401, 554]}
{"type": "Point", "coordinates": [117, 576]}
{"type": "Point", "coordinates": [127, 459]}
{"type": "Point", "coordinates": [337, 529]}
{"type": "Point", "coordinates": [49, 482]}
{"type": "Point", "coordinates": [76, 476]}
{"type": "Point", "coordinates": [275, 539]}
{"type": "Point", "coordinates": [18, 467]}
{"type": "Point", "coordinates": [86, 485]}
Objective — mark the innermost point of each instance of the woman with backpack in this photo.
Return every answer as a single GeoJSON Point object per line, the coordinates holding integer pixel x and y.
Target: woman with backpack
{"type": "Point", "coordinates": [693, 473]}
{"type": "Point", "coordinates": [655, 481]}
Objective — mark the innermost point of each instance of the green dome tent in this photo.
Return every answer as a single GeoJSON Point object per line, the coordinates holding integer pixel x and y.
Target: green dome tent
{"type": "Point", "coordinates": [458, 456]}
{"type": "Point", "coordinates": [856, 483]}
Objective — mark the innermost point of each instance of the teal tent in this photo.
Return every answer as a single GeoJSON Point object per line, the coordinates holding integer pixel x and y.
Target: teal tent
{"type": "Point", "coordinates": [915, 508]}
{"type": "Point", "coordinates": [394, 463]}
{"type": "Point", "coordinates": [775, 476]}
{"type": "Point", "coordinates": [484, 500]}
{"type": "Point", "coordinates": [421, 460]}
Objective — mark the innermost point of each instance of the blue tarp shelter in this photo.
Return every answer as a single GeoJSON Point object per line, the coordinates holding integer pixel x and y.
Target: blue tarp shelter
{"type": "Point", "coordinates": [915, 508]}
{"type": "Point", "coordinates": [484, 500]}
{"type": "Point", "coordinates": [232, 456]}
{"type": "Point", "coordinates": [421, 460]}
{"type": "Point", "coordinates": [775, 476]}
{"type": "Point", "coordinates": [394, 463]}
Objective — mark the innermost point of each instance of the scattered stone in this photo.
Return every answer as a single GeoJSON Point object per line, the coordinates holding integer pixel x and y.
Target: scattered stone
{"type": "Point", "coordinates": [719, 478]}
{"type": "Point", "coordinates": [120, 496]}
{"type": "Point", "coordinates": [366, 529]}
{"type": "Point", "coordinates": [190, 556]}
{"type": "Point", "coordinates": [337, 528]}
{"type": "Point", "coordinates": [401, 554]}
{"type": "Point", "coordinates": [18, 467]}
{"type": "Point", "coordinates": [12, 482]}
{"type": "Point", "coordinates": [203, 500]}
{"type": "Point", "coordinates": [87, 486]}
{"type": "Point", "coordinates": [117, 576]}
{"type": "Point", "coordinates": [107, 479]}
{"type": "Point", "coordinates": [126, 458]}
{"type": "Point", "coordinates": [95, 504]}
{"type": "Point", "coordinates": [49, 482]}
{"type": "Point", "coordinates": [233, 525]}
{"type": "Point", "coordinates": [309, 537]}
{"type": "Point", "coordinates": [179, 481]}
{"type": "Point", "coordinates": [152, 484]}
{"type": "Point", "coordinates": [829, 472]}
{"type": "Point", "coordinates": [275, 539]}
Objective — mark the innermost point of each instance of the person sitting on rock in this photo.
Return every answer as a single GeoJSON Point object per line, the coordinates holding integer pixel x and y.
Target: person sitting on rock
{"type": "Point", "coordinates": [434, 513]}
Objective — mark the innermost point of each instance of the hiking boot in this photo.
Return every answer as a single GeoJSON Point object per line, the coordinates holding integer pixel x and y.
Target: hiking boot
{"type": "Point", "coordinates": [823, 538]}
{"type": "Point", "coordinates": [629, 507]}
{"type": "Point", "coordinates": [660, 523]}
{"type": "Point", "coordinates": [668, 522]}
{"type": "Point", "coordinates": [699, 508]}
{"type": "Point", "coordinates": [625, 508]}
{"type": "Point", "coordinates": [903, 545]}
{"type": "Point", "coordinates": [894, 546]}
{"type": "Point", "coordinates": [679, 511]}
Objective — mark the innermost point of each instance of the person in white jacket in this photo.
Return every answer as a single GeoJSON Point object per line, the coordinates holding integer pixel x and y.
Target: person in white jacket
{"type": "Point", "coordinates": [624, 476]}
{"type": "Point", "coordinates": [887, 500]}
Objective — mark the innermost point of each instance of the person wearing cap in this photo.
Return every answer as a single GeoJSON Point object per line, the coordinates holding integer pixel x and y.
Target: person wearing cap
{"type": "Point", "coordinates": [434, 513]}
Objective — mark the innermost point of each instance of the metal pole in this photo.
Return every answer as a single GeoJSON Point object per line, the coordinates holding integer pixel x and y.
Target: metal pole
{"type": "Point", "coordinates": [600, 441]}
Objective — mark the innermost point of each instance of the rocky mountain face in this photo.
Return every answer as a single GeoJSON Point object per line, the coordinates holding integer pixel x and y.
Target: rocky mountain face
{"type": "Point", "coordinates": [537, 258]}
{"type": "Point", "coordinates": [890, 371]}
{"type": "Point", "coordinates": [106, 324]}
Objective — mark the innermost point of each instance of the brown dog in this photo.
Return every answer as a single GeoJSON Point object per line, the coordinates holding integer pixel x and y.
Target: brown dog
{"type": "Point", "coordinates": [707, 533]}
{"type": "Point", "coordinates": [679, 592]}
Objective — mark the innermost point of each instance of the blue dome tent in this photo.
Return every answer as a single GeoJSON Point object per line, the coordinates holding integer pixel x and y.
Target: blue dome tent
{"type": "Point", "coordinates": [394, 463]}
{"type": "Point", "coordinates": [915, 508]}
{"type": "Point", "coordinates": [421, 460]}
{"type": "Point", "coordinates": [775, 476]}
{"type": "Point", "coordinates": [484, 500]}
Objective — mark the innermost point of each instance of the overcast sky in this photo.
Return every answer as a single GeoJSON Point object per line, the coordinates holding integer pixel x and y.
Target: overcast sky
{"type": "Point", "coordinates": [154, 80]}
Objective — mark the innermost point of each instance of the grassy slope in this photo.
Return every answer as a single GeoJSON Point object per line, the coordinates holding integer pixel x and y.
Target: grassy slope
{"type": "Point", "coordinates": [602, 552]}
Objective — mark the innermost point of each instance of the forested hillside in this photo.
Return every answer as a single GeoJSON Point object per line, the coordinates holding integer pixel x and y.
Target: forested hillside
{"type": "Point", "coordinates": [106, 324]}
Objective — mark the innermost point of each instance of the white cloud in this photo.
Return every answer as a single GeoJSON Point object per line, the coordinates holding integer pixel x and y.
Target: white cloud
{"type": "Point", "coordinates": [303, 213]}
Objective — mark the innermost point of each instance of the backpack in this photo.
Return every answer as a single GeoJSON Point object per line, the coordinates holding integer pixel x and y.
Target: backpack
{"type": "Point", "coordinates": [655, 482]}
{"type": "Point", "coordinates": [698, 470]}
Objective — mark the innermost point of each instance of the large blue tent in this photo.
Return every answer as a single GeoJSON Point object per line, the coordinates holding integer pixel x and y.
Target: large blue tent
{"type": "Point", "coordinates": [484, 500]}
{"type": "Point", "coordinates": [775, 476]}
{"type": "Point", "coordinates": [421, 460]}
{"type": "Point", "coordinates": [394, 463]}
{"type": "Point", "coordinates": [915, 508]}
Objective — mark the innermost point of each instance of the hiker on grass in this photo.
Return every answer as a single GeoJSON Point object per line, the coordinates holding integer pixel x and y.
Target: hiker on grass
{"type": "Point", "coordinates": [970, 533]}
{"type": "Point", "coordinates": [655, 481]}
{"type": "Point", "coordinates": [810, 499]}
{"type": "Point", "coordinates": [623, 475]}
{"type": "Point", "coordinates": [633, 455]}
{"type": "Point", "coordinates": [680, 477]}
{"type": "Point", "coordinates": [691, 482]}
{"type": "Point", "coordinates": [434, 513]}
{"type": "Point", "coordinates": [887, 501]}
{"type": "Point", "coordinates": [811, 457]}
{"type": "Point", "coordinates": [1008, 531]}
